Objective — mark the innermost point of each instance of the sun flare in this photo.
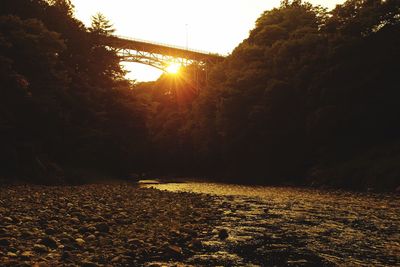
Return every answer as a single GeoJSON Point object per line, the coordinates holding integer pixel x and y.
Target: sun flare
{"type": "Point", "coordinates": [173, 68]}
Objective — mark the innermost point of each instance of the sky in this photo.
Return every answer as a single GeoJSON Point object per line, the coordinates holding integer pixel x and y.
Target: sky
{"type": "Point", "coordinates": [216, 26]}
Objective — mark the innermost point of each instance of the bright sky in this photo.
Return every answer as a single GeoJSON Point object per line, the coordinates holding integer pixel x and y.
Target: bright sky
{"type": "Point", "coordinates": [210, 25]}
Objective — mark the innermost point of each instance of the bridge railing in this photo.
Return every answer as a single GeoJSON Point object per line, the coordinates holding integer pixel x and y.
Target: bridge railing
{"type": "Point", "coordinates": [167, 45]}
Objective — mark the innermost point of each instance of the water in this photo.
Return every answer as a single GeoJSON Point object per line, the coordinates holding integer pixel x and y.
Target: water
{"type": "Point", "coordinates": [270, 226]}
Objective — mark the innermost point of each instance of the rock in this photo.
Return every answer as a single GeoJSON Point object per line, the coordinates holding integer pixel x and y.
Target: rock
{"type": "Point", "coordinates": [89, 264]}
{"type": "Point", "coordinates": [40, 248]}
{"type": "Point", "coordinates": [66, 241]}
{"type": "Point", "coordinates": [91, 238]}
{"type": "Point", "coordinates": [75, 221]}
{"type": "Point", "coordinates": [175, 250]}
{"type": "Point", "coordinates": [26, 234]}
{"type": "Point", "coordinates": [196, 244]}
{"type": "Point", "coordinates": [26, 255]}
{"type": "Point", "coordinates": [83, 229]}
{"type": "Point", "coordinates": [102, 227]}
{"type": "Point", "coordinates": [223, 234]}
{"type": "Point", "coordinates": [80, 242]}
{"type": "Point", "coordinates": [50, 231]}
{"type": "Point", "coordinates": [8, 219]}
{"type": "Point", "coordinates": [49, 242]}
{"type": "Point", "coordinates": [66, 255]}
{"type": "Point", "coordinates": [135, 243]}
{"type": "Point", "coordinates": [91, 229]}
{"type": "Point", "coordinates": [3, 232]}
{"type": "Point", "coordinates": [11, 255]}
{"type": "Point", "coordinates": [116, 259]}
{"type": "Point", "coordinates": [4, 242]}
{"type": "Point", "coordinates": [40, 264]}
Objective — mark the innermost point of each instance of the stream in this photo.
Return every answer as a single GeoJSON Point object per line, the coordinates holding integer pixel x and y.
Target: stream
{"type": "Point", "coordinates": [279, 226]}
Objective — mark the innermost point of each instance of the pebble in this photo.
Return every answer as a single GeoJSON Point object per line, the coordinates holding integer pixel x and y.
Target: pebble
{"type": "Point", "coordinates": [40, 248]}
{"type": "Point", "coordinates": [85, 226]}
{"type": "Point", "coordinates": [80, 241]}
{"type": "Point", "coordinates": [4, 242]}
{"type": "Point", "coordinates": [102, 227]}
{"type": "Point", "coordinates": [223, 234]}
{"type": "Point", "coordinates": [49, 242]}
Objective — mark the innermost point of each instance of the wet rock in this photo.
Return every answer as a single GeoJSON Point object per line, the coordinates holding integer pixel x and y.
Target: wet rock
{"type": "Point", "coordinates": [102, 227]}
{"type": "Point", "coordinates": [50, 231]}
{"type": "Point", "coordinates": [89, 264]}
{"type": "Point", "coordinates": [66, 255]}
{"type": "Point", "coordinates": [49, 242]}
{"type": "Point", "coordinates": [91, 238]}
{"type": "Point", "coordinates": [27, 255]}
{"type": "Point", "coordinates": [41, 264]}
{"type": "Point", "coordinates": [11, 255]}
{"type": "Point", "coordinates": [80, 242]}
{"type": "Point", "coordinates": [39, 248]}
{"type": "Point", "coordinates": [75, 221]}
{"type": "Point", "coordinates": [83, 230]}
{"type": "Point", "coordinates": [8, 220]}
{"type": "Point", "coordinates": [116, 259]}
{"type": "Point", "coordinates": [196, 243]}
{"type": "Point", "coordinates": [174, 251]}
{"type": "Point", "coordinates": [223, 234]}
{"type": "Point", "coordinates": [4, 242]}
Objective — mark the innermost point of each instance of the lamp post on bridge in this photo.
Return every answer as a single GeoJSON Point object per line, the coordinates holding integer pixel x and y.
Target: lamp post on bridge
{"type": "Point", "coordinates": [187, 36]}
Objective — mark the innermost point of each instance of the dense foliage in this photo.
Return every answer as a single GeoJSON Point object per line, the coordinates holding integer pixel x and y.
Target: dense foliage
{"type": "Point", "coordinates": [65, 107]}
{"type": "Point", "coordinates": [309, 97]}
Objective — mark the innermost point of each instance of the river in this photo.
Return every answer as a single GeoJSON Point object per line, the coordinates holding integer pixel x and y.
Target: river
{"type": "Point", "coordinates": [277, 226]}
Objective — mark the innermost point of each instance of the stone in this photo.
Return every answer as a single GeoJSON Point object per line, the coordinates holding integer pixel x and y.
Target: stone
{"type": "Point", "coordinates": [11, 255]}
{"type": "Point", "coordinates": [40, 248]}
{"type": "Point", "coordinates": [4, 242]}
{"type": "Point", "coordinates": [80, 242]}
{"type": "Point", "coordinates": [116, 259]}
{"type": "Point", "coordinates": [91, 238]}
{"type": "Point", "coordinates": [49, 242]}
{"type": "Point", "coordinates": [102, 227]}
{"type": "Point", "coordinates": [26, 255]}
{"type": "Point", "coordinates": [91, 229]}
{"type": "Point", "coordinates": [26, 234]}
{"type": "Point", "coordinates": [175, 250]}
{"type": "Point", "coordinates": [50, 231]}
{"type": "Point", "coordinates": [223, 234]}
{"type": "Point", "coordinates": [83, 230]}
{"type": "Point", "coordinates": [66, 255]}
{"type": "Point", "coordinates": [89, 264]}
{"type": "Point", "coordinates": [196, 243]}
{"type": "Point", "coordinates": [75, 221]}
{"type": "Point", "coordinates": [8, 219]}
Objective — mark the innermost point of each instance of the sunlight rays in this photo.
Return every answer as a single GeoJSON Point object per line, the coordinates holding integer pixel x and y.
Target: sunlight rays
{"type": "Point", "coordinates": [173, 68]}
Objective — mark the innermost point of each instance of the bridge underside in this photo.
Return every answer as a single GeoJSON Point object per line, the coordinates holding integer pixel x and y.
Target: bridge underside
{"type": "Point", "coordinates": [157, 55]}
{"type": "Point", "coordinates": [156, 60]}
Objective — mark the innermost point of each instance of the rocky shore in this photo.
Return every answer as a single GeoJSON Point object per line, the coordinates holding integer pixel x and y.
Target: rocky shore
{"type": "Point", "coordinates": [217, 225]}
{"type": "Point", "coordinates": [101, 225]}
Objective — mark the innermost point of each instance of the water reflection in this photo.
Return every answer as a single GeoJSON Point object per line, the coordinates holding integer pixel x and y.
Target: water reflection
{"type": "Point", "coordinates": [300, 227]}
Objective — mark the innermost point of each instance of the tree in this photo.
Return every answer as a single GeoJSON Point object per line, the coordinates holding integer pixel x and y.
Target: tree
{"type": "Point", "coordinates": [101, 25]}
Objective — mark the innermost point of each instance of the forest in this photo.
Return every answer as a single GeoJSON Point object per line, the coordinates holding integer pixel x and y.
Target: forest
{"type": "Point", "coordinates": [309, 98]}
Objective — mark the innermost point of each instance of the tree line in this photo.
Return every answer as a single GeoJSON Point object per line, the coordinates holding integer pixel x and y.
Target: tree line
{"type": "Point", "coordinates": [66, 110]}
{"type": "Point", "coordinates": [310, 97]}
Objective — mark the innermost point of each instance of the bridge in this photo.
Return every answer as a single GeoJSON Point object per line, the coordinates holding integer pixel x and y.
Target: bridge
{"type": "Point", "coordinates": [159, 55]}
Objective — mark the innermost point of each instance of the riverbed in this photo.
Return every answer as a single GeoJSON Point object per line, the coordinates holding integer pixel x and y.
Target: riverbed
{"type": "Point", "coordinates": [276, 226]}
{"type": "Point", "coordinates": [196, 224]}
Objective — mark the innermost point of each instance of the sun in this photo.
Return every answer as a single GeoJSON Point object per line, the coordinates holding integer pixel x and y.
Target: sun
{"type": "Point", "coordinates": [173, 68]}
